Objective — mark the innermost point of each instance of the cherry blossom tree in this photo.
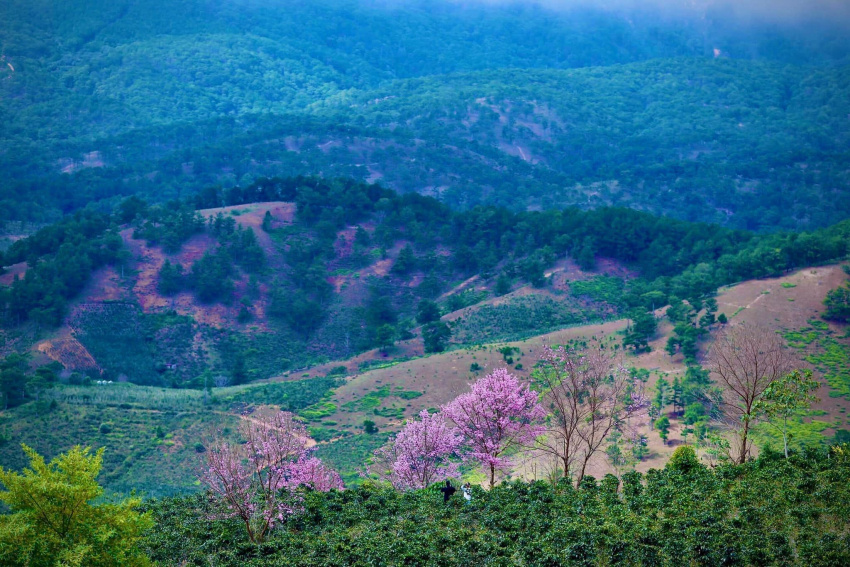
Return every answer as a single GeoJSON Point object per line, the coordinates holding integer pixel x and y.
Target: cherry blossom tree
{"type": "Point", "coordinates": [419, 454]}
{"type": "Point", "coordinates": [256, 481]}
{"type": "Point", "coordinates": [499, 415]}
{"type": "Point", "coordinates": [311, 472]}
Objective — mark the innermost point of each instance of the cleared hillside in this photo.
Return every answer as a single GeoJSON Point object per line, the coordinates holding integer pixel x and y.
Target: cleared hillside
{"type": "Point", "coordinates": [144, 427]}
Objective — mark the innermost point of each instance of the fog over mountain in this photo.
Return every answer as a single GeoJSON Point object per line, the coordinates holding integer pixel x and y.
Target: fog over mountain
{"type": "Point", "coordinates": [794, 12]}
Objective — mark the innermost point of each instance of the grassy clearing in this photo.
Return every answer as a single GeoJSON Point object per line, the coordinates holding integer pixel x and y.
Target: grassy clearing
{"type": "Point", "coordinates": [802, 432]}
{"type": "Point", "coordinates": [348, 454]}
{"type": "Point", "coordinates": [290, 396]}
{"type": "Point", "coordinates": [603, 289]}
{"type": "Point", "coordinates": [520, 318]}
{"type": "Point", "coordinates": [139, 397]}
{"type": "Point", "coordinates": [369, 402]}
{"type": "Point", "coordinates": [155, 451]}
{"type": "Point", "coordinates": [826, 354]}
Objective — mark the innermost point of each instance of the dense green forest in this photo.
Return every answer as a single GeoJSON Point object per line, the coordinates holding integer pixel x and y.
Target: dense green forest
{"type": "Point", "coordinates": [674, 260]}
{"type": "Point", "coordinates": [513, 104]}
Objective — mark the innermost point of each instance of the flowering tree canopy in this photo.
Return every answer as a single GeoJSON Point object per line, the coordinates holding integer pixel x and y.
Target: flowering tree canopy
{"type": "Point", "coordinates": [419, 454]}
{"type": "Point", "coordinates": [499, 414]}
{"type": "Point", "coordinates": [311, 472]}
{"type": "Point", "coordinates": [256, 481]}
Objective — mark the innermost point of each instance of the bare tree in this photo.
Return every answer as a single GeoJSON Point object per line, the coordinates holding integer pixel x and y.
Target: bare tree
{"type": "Point", "coordinates": [746, 360]}
{"type": "Point", "coordinates": [589, 396]}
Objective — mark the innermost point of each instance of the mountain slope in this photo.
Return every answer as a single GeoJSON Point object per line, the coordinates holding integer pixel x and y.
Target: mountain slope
{"type": "Point", "coordinates": [146, 427]}
{"type": "Point", "coordinates": [126, 99]}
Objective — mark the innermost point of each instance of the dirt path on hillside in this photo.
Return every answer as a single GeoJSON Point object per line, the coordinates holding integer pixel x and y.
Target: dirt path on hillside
{"type": "Point", "coordinates": [458, 287]}
{"type": "Point", "coordinates": [308, 441]}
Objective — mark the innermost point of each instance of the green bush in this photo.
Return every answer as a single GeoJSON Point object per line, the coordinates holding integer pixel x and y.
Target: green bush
{"type": "Point", "coordinates": [770, 511]}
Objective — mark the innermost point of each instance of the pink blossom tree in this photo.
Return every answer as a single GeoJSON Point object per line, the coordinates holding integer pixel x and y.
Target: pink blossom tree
{"type": "Point", "coordinates": [419, 454]}
{"type": "Point", "coordinates": [312, 472]}
{"type": "Point", "coordinates": [256, 481]}
{"type": "Point", "coordinates": [499, 415]}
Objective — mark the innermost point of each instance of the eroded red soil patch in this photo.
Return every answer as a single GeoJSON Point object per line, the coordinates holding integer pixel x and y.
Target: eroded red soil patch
{"type": "Point", "coordinates": [19, 269]}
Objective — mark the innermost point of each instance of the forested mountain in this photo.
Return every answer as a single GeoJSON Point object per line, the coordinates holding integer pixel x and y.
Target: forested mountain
{"type": "Point", "coordinates": [696, 114]}
{"type": "Point", "coordinates": [331, 268]}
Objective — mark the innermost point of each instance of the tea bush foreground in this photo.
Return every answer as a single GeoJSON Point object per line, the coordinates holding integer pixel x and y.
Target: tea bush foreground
{"type": "Point", "coordinates": [768, 511]}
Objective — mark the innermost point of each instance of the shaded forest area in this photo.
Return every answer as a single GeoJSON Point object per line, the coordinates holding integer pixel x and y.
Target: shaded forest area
{"type": "Point", "coordinates": [513, 105]}
{"type": "Point", "coordinates": [676, 262]}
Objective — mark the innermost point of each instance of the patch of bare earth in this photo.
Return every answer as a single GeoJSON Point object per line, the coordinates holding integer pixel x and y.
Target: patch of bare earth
{"type": "Point", "coordinates": [790, 306]}
{"type": "Point", "coordinates": [105, 285]}
{"type": "Point", "coordinates": [149, 262]}
{"type": "Point", "coordinates": [252, 215]}
{"type": "Point", "coordinates": [90, 160]}
{"type": "Point", "coordinates": [769, 302]}
{"type": "Point", "coordinates": [19, 270]}
{"type": "Point", "coordinates": [68, 351]}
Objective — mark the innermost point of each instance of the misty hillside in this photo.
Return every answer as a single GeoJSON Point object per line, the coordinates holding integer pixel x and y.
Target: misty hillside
{"type": "Point", "coordinates": [701, 116]}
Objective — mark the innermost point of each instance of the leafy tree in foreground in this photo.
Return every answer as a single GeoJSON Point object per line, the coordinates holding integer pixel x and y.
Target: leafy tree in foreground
{"type": "Point", "coordinates": [53, 521]}
{"type": "Point", "coordinates": [499, 415]}
{"type": "Point", "coordinates": [590, 397]}
{"type": "Point", "coordinates": [746, 360]}
{"type": "Point", "coordinates": [256, 481]}
{"type": "Point", "coordinates": [418, 456]}
{"type": "Point", "coordinates": [786, 396]}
